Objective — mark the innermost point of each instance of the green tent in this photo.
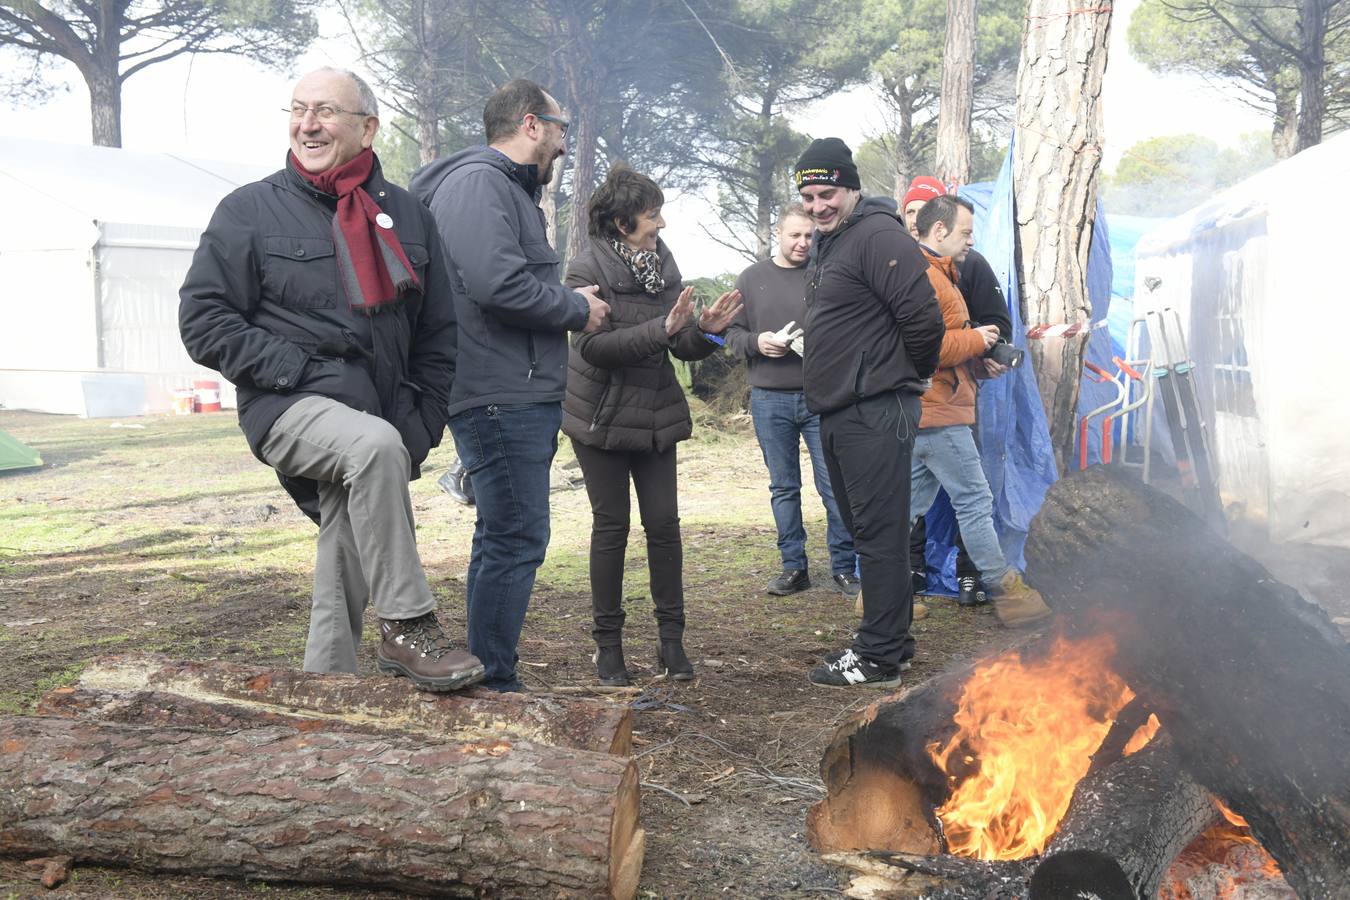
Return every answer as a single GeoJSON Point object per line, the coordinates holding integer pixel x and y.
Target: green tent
{"type": "Point", "coordinates": [14, 455]}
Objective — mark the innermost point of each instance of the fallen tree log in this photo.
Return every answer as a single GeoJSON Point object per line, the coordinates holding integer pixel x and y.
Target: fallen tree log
{"type": "Point", "coordinates": [1126, 824]}
{"type": "Point", "coordinates": [1250, 681]}
{"type": "Point", "coordinates": [471, 819]}
{"type": "Point", "coordinates": [151, 689]}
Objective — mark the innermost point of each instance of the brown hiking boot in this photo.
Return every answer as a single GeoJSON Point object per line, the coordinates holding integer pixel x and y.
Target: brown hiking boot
{"type": "Point", "coordinates": [920, 611]}
{"type": "Point", "coordinates": [419, 650]}
{"type": "Point", "coordinates": [1016, 603]}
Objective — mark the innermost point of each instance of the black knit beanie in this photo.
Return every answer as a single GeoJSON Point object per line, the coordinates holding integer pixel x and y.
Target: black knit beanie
{"type": "Point", "coordinates": [827, 161]}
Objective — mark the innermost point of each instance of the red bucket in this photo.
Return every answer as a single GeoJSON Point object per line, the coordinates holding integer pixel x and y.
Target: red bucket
{"type": "Point", "coordinates": [207, 394]}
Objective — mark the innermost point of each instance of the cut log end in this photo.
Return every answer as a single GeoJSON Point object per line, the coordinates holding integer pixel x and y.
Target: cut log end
{"type": "Point", "coordinates": [627, 840]}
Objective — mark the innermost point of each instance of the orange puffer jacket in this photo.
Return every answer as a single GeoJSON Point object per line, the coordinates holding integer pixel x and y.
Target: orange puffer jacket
{"type": "Point", "coordinates": [951, 399]}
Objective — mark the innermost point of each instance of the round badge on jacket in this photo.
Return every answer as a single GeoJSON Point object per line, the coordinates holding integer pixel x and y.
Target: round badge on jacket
{"type": "Point", "coordinates": [384, 221]}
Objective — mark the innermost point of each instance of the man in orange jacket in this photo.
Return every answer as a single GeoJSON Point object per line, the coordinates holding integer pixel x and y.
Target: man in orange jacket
{"type": "Point", "coordinates": [944, 451]}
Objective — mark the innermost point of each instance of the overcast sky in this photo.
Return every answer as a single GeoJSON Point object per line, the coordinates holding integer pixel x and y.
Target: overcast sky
{"type": "Point", "coordinates": [229, 109]}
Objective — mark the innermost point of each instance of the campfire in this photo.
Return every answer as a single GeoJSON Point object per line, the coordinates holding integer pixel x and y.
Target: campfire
{"type": "Point", "coordinates": [1033, 733]}
{"type": "Point", "coordinates": [1090, 763]}
{"type": "Point", "coordinates": [1026, 732]}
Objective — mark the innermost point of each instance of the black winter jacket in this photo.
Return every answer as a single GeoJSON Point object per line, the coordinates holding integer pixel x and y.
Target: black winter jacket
{"type": "Point", "coordinates": [262, 305]}
{"type": "Point", "coordinates": [873, 324]}
{"type": "Point", "coordinates": [513, 313]}
{"type": "Point", "coordinates": [622, 393]}
{"type": "Point", "coordinates": [984, 298]}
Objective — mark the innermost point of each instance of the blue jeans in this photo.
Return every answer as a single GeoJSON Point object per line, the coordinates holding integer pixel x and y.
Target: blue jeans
{"type": "Point", "coordinates": [947, 457]}
{"type": "Point", "coordinates": [781, 421]}
{"type": "Point", "coordinates": [507, 451]}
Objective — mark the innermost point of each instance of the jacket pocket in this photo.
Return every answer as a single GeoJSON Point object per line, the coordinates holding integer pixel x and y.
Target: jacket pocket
{"type": "Point", "coordinates": [860, 376]}
{"type": "Point", "coordinates": [299, 272]}
{"type": "Point", "coordinates": [419, 257]}
{"type": "Point", "coordinates": [411, 425]}
{"type": "Point", "coordinates": [541, 259]}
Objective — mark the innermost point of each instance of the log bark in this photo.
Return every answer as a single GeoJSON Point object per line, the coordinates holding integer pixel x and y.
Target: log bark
{"type": "Point", "coordinates": [144, 688]}
{"type": "Point", "coordinates": [1126, 824]}
{"type": "Point", "coordinates": [472, 819]}
{"type": "Point", "coordinates": [1057, 152]}
{"type": "Point", "coordinates": [1250, 681]}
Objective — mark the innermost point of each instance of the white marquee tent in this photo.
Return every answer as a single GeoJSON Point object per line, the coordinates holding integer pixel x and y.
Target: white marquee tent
{"type": "Point", "coordinates": [1255, 278]}
{"type": "Point", "coordinates": [93, 247]}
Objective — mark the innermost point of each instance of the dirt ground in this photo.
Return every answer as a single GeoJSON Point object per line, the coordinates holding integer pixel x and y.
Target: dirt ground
{"type": "Point", "coordinates": [164, 534]}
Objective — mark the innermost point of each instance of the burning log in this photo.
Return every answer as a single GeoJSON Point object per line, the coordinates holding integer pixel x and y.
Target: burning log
{"type": "Point", "coordinates": [150, 689]}
{"type": "Point", "coordinates": [490, 818]}
{"type": "Point", "coordinates": [1126, 824]}
{"type": "Point", "coordinates": [881, 784]}
{"type": "Point", "coordinates": [1250, 681]}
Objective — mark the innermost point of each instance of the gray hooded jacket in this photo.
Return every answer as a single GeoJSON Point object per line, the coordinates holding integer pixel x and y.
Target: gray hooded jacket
{"type": "Point", "coordinates": [512, 310]}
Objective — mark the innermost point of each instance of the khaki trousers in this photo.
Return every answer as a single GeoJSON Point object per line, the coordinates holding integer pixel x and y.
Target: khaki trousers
{"type": "Point", "coordinates": [367, 545]}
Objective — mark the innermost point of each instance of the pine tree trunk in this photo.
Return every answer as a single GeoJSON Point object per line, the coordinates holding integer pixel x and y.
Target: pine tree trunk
{"type": "Point", "coordinates": [583, 185]}
{"type": "Point", "coordinates": [764, 182]}
{"type": "Point", "coordinates": [1312, 28]}
{"type": "Point", "coordinates": [105, 104]}
{"type": "Point", "coordinates": [958, 77]}
{"type": "Point", "coordinates": [1284, 134]}
{"type": "Point", "coordinates": [905, 161]}
{"type": "Point", "coordinates": [475, 819]}
{"type": "Point", "coordinates": [1058, 151]}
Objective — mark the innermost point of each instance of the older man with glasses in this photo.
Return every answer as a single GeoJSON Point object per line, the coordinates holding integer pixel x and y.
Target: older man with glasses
{"type": "Point", "coordinates": [322, 293]}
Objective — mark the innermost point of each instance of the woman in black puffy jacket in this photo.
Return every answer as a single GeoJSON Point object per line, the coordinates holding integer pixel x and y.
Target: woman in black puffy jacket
{"type": "Point", "coordinates": [625, 410]}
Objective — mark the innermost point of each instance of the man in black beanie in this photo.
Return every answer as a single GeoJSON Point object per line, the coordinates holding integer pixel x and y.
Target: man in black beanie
{"type": "Point", "coordinates": [873, 334]}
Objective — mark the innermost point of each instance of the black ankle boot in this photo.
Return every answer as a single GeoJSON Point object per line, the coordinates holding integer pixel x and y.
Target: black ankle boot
{"type": "Point", "coordinates": [671, 660]}
{"type": "Point", "coordinates": [610, 668]}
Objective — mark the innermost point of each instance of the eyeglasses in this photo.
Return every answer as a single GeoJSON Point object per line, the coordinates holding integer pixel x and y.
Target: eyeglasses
{"type": "Point", "coordinates": [323, 112]}
{"type": "Point", "coordinates": [561, 123]}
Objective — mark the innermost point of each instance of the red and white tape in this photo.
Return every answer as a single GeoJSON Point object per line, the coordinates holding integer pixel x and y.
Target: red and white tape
{"type": "Point", "coordinates": [1039, 332]}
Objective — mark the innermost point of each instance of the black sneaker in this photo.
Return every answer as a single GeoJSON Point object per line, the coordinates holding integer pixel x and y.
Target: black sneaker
{"type": "Point", "coordinates": [847, 584]}
{"type": "Point", "coordinates": [918, 581]}
{"type": "Point", "coordinates": [834, 656]}
{"type": "Point", "coordinates": [972, 591]}
{"type": "Point", "coordinates": [789, 582]}
{"type": "Point", "coordinates": [419, 649]}
{"type": "Point", "coordinates": [851, 670]}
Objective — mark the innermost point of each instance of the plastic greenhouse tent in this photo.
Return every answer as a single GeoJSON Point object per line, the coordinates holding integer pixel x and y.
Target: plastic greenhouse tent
{"type": "Point", "coordinates": [91, 256]}
{"type": "Point", "coordinates": [1261, 306]}
{"type": "Point", "coordinates": [14, 455]}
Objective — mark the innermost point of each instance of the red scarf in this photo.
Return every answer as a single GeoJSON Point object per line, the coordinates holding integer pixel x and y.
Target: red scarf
{"type": "Point", "coordinates": [374, 269]}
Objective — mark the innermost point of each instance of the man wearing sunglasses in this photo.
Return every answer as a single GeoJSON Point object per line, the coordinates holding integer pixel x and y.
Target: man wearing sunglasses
{"type": "Point", "coordinates": [513, 317]}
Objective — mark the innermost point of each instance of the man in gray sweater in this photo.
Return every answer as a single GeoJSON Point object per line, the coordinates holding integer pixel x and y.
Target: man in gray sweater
{"type": "Point", "coordinates": [513, 315]}
{"type": "Point", "coordinates": [774, 293]}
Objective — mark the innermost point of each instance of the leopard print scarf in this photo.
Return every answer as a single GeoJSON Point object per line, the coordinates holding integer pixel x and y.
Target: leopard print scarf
{"type": "Point", "coordinates": [645, 264]}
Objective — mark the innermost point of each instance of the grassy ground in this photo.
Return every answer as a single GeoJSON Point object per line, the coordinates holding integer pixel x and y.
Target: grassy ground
{"type": "Point", "coordinates": [164, 534]}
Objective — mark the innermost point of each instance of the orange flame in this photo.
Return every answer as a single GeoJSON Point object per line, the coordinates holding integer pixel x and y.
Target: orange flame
{"type": "Point", "coordinates": [1026, 733]}
{"type": "Point", "coordinates": [1139, 740]}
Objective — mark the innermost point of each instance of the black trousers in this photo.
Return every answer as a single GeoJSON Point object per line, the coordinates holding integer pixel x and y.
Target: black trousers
{"type": "Point", "coordinates": [918, 536]}
{"type": "Point", "coordinates": [607, 473]}
{"type": "Point", "coordinates": [868, 448]}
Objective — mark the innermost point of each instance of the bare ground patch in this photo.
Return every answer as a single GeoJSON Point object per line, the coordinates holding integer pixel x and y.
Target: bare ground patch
{"type": "Point", "coordinates": [173, 538]}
